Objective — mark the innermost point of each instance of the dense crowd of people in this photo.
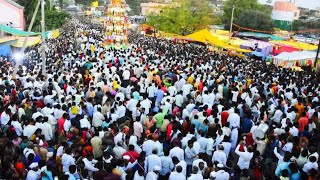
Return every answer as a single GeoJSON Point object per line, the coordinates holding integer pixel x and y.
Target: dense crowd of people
{"type": "Point", "coordinates": [155, 110]}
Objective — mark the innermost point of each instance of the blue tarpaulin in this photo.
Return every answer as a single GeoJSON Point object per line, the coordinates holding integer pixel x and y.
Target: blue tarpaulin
{"type": "Point", "coordinates": [259, 54]}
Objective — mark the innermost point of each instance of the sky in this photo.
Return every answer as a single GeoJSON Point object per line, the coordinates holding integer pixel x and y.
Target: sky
{"type": "Point", "coordinates": [311, 4]}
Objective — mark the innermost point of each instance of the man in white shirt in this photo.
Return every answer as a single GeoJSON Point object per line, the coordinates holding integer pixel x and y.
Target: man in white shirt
{"type": "Point", "coordinates": [311, 164]}
{"type": "Point", "coordinates": [234, 119]}
{"type": "Point", "coordinates": [97, 118]}
{"type": "Point", "coordinates": [5, 117]}
{"type": "Point", "coordinates": [89, 163]}
{"type": "Point", "coordinates": [167, 164]}
{"type": "Point", "coordinates": [172, 91]}
{"type": "Point", "coordinates": [179, 99]}
{"type": "Point", "coordinates": [46, 129]}
{"type": "Point", "coordinates": [84, 123]}
{"type": "Point", "coordinates": [277, 116]}
{"type": "Point", "coordinates": [121, 110]}
{"type": "Point", "coordinates": [131, 104]}
{"type": "Point", "coordinates": [47, 110]}
{"type": "Point", "coordinates": [294, 131]}
{"type": "Point", "coordinates": [153, 175]}
{"type": "Point", "coordinates": [203, 141]}
{"type": "Point", "coordinates": [151, 90]}
{"type": "Point", "coordinates": [177, 152]}
{"type": "Point", "coordinates": [220, 174]}
{"type": "Point", "coordinates": [17, 125]}
{"type": "Point", "coordinates": [175, 175]}
{"type": "Point", "coordinates": [67, 160]}
{"type": "Point", "coordinates": [191, 155]}
{"type": "Point", "coordinates": [152, 161]}
{"type": "Point", "coordinates": [137, 129]}
{"type": "Point", "coordinates": [244, 159]}
{"type": "Point", "coordinates": [146, 104]}
{"type": "Point", "coordinates": [219, 156]}
{"type": "Point", "coordinates": [195, 175]}
{"type": "Point", "coordinates": [29, 130]}
{"type": "Point", "coordinates": [34, 172]}
{"type": "Point", "coordinates": [149, 145]}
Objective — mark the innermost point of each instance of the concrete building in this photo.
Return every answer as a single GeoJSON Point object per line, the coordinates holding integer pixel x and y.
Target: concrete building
{"type": "Point", "coordinates": [284, 13]}
{"type": "Point", "coordinates": [153, 7]}
{"type": "Point", "coordinates": [11, 14]}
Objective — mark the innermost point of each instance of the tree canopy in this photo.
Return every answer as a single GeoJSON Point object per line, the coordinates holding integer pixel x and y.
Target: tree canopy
{"type": "Point", "coordinates": [255, 20]}
{"type": "Point", "coordinates": [248, 13]}
{"type": "Point", "coordinates": [54, 19]}
{"type": "Point", "coordinates": [183, 17]}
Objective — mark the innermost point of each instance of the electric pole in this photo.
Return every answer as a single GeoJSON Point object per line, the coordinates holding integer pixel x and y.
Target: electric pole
{"type": "Point", "coordinates": [231, 23]}
{"type": "Point", "coordinates": [43, 27]}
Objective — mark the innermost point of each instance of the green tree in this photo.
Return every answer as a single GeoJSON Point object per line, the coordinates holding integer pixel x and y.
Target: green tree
{"type": "Point", "coordinates": [255, 20]}
{"type": "Point", "coordinates": [184, 17]}
{"type": "Point", "coordinates": [245, 7]}
{"type": "Point", "coordinates": [54, 19]}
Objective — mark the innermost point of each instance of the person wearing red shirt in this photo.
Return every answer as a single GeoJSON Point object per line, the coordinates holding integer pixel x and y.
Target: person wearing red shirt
{"type": "Point", "coordinates": [224, 116]}
{"type": "Point", "coordinates": [132, 154]}
{"type": "Point", "coordinates": [303, 122]}
{"type": "Point", "coordinates": [61, 122]}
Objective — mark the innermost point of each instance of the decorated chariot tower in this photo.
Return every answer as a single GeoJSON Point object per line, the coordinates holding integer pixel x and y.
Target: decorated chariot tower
{"type": "Point", "coordinates": [116, 24]}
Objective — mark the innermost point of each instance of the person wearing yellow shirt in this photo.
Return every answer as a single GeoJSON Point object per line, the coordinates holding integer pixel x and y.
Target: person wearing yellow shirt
{"type": "Point", "coordinates": [115, 84]}
{"type": "Point", "coordinates": [92, 48]}
{"type": "Point", "coordinates": [249, 81]}
{"type": "Point", "coordinates": [190, 79]}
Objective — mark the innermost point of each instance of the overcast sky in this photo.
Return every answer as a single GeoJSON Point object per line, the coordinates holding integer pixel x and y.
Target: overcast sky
{"type": "Point", "coordinates": [311, 4]}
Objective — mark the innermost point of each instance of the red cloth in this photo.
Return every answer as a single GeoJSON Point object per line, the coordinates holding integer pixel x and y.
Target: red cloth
{"type": "Point", "coordinates": [303, 122]}
{"type": "Point", "coordinates": [60, 124]}
{"type": "Point", "coordinates": [133, 155]}
{"type": "Point", "coordinates": [257, 173]}
{"type": "Point", "coordinates": [20, 168]}
{"type": "Point", "coordinates": [249, 140]}
{"type": "Point", "coordinates": [200, 88]}
{"type": "Point", "coordinates": [280, 49]}
{"type": "Point", "coordinates": [209, 112]}
{"type": "Point", "coordinates": [224, 117]}
{"type": "Point", "coordinates": [169, 130]}
{"type": "Point", "coordinates": [175, 111]}
{"type": "Point", "coordinates": [40, 104]}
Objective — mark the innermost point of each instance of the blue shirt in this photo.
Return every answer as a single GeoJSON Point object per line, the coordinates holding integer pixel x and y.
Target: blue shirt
{"type": "Point", "coordinates": [246, 125]}
{"type": "Point", "coordinates": [136, 95]}
{"type": "Point", "coordinates": [197, 123]}
{"type": "Point", "coordinates": [90, 109]}
{"type": "Point", "coordinates": [281, 167]}
{"type": "Point", "coordinates": [204, 128]}
{"type": "Point", "coordinates": [295, 176]}
{"type": "Point", "coordinates": [159, 95]}
{"type": "Point", "coordinates": [48, 175]}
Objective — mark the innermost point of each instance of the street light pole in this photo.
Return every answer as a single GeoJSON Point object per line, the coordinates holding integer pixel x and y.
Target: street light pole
{"type": "Point", "coordinates": [14, 74]}
{"type": "Point", "coordinates": [231, 23]}
{"type": "Point", "coordinates": [43, 52]}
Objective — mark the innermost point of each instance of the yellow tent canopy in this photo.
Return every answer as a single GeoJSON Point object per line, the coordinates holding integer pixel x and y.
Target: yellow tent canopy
{"type": "Point", "coordinates": [205, 36]}
{"type": "Point", "coordinates": [31, 41]}
{"type": "Point", "coordinates": [299, 45]}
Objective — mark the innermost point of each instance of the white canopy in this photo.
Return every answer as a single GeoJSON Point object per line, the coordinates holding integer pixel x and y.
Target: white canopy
{"type": "Point", "coordinates": [297, 55]}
